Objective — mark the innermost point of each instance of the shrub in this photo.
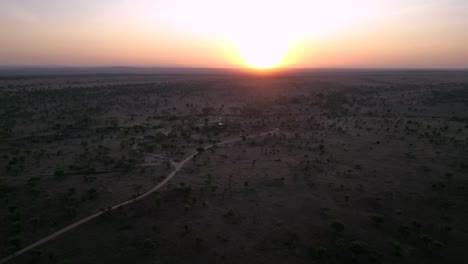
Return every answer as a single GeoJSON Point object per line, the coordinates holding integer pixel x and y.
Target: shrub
{"type": "Point", "coordinates": [91, 194]}
{"type": "Point", "coordinates": [16, 242]}
{"type": "Point", "coordinates": [230, 213]}
{"type": "Point", "coordinates": [200, 149]}
{"type": "Point", "coordinates": [377, 220]}
{"type": "Point", "coordinates": [157, 202]}
{"type": "Point", "coordinates": [148, 245]}
{"type": "Point", "coordinates": [404, 230]}
{"type": "Point", "coordinates": [430, 243]}
{"type": "Point", "coordinates": [321, 252]}
{"type": "Point", "coordinates": [358, 247]}
{"type": "Point", "coordinates": [198, 242]}
{"type": "Point", "coordinates": [337, 226]}
{"type": "Point", "coordinates": [396, 248]}
{"type": "Point", "coordinates": [59, 173]}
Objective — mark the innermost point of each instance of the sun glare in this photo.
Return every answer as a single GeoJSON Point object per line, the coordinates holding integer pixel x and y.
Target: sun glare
{"type": "Point", "coordinates": [264, 32]}
{"type": "Point", "coordinates": [262, 52]}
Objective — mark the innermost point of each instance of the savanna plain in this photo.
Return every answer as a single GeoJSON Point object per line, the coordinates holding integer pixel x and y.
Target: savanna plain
{"type": "Point", "coordinates": [315, 167]}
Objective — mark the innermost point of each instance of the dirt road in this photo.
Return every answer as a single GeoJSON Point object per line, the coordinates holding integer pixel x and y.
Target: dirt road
{"type": "Point", "coordinates": [177, 167]}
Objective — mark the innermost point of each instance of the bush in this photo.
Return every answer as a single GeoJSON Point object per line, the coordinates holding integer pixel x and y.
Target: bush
{"type": "Point", "coordinates": [321, 252]}
{"type": "Point", "coordinates": [200, 149]}
{"type": "Point", "coordinates": [377, 220]}
{"type": "Point", "coordinates": [4, 188]}
{"type": "Point", "coordinates": [431, 243]}
{"type": "Point", "coordinates": [230, 213]}
{"type": "Point", "coordinates": [148, 245]}
{"type": "Point", "coordinates": [396, 248]}
{"type": "Point", "coordinates": [337, 226]}
{"type": "Point", "coordinates": [157, 202]}
{"type": "Point", "coordinates": [198, 242]}
{"type": "Point", "coordinates": [59, 173]}
{"type": "Point", "coordinates": [91, 194]}
{"type": "Point", "coordinates": [358, 247]}
{"type": "Point", "coordinates": [404, 230]}
{"type": "Point", "coordinates": [16, 242]}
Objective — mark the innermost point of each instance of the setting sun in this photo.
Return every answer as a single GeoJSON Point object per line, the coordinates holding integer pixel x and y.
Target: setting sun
{"type": "Point", "coordinates": [262, 52]}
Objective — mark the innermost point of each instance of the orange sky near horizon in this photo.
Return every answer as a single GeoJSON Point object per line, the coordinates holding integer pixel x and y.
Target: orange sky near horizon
{"type": "Point", "coordinates": [209, 33]}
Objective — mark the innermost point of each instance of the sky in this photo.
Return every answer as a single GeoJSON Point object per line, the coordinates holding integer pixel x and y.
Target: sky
{"type": "Point", "coordinates": [240, 33]}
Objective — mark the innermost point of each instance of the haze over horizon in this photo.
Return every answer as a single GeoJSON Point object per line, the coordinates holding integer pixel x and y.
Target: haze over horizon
{"type": "Point", "coordinates": [218, 34]}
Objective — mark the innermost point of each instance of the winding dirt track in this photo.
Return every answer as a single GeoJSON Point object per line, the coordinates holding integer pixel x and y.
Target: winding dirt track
{"type": "Point", "coordinates": [177, 167]}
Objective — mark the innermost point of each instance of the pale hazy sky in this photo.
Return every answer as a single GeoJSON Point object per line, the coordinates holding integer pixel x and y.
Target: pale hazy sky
{"type": "Point", "coordinates": [212, 33]}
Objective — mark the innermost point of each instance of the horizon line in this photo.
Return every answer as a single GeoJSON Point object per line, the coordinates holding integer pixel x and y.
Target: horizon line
{"type": "Point", "coordinates": [59, 66]}
{"type": "Point", "coordinates": [11, 71]}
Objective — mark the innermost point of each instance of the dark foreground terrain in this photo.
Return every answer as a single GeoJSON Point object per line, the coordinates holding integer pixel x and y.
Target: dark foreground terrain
{"type": "Point", "coordinates": [366, 167]}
